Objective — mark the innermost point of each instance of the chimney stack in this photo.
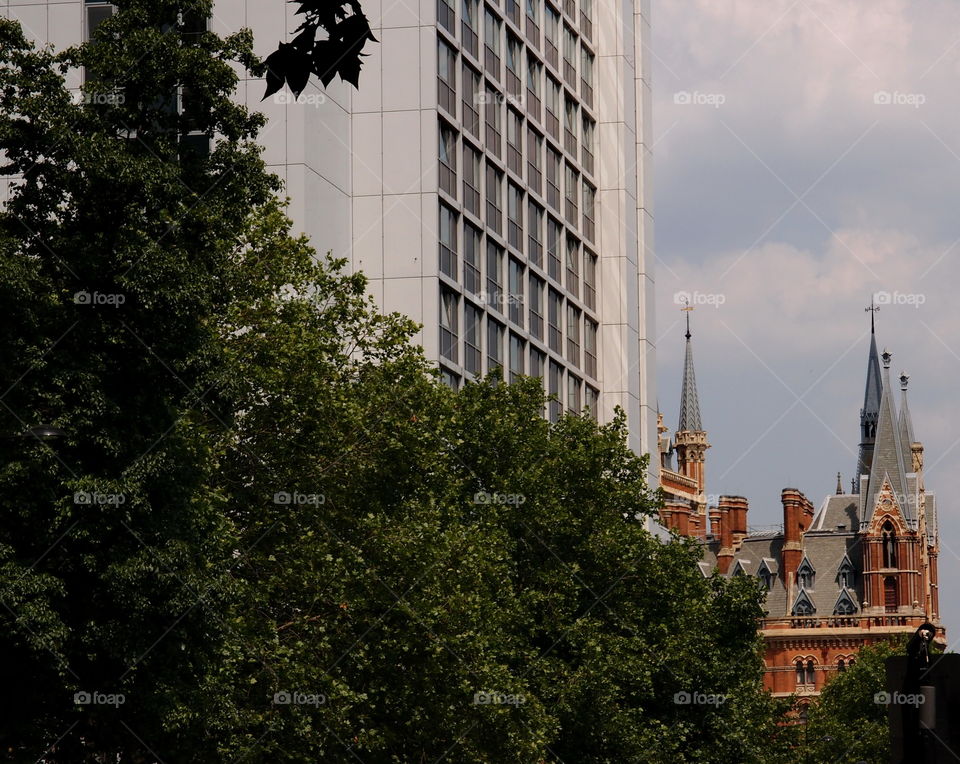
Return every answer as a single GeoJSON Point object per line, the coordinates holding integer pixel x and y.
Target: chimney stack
{"type": "Point", "coordinates": [797, 517]}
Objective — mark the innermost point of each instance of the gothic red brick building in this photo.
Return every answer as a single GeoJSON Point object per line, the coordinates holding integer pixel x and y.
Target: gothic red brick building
{"type": "Point", "coordinates": [856, 570]}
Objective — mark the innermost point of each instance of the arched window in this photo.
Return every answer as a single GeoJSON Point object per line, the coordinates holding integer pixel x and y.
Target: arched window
{"type": "Point", "coordinates": [845, 573]}
{"type": "Point", "coordinates": [850, 663]}
{"type": "Point", "coordinates": [841, 665]}
{"type": "Point", "coordinates": [811, 679]}
{"type": "Point", "coordinates": [845, 607]}
{"type": "Point", "coordinates": [805, 574]}
{"type": "Point", "coordinates": [889, 545]}
{"type": "Point", "coordinates": [800, 673]}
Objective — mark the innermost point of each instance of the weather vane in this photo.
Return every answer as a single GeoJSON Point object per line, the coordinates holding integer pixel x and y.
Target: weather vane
{"type": "Point", "coordinates": [873, 311]}
{"type": "Point", "coordinates": [687, 307]}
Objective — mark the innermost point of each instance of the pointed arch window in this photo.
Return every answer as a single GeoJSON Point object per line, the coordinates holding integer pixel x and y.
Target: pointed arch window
{"type": "Point", "coordinates": [811, 678]}
{"type": "Point", "coordinates": [889, 545]}
{"type": "Point", "coordinates": [800, 672]}
{"type": "Point", "coordinates": [765, 575]}
{"type": "Point", "coordinates": [845, 604]}
{"type": "Point", "coordinates": [845, 574]}
{"type": "Point", "coordinates": [805, 574]}
{"type": "Point", "coordinates": [803, 605]}
{"type": "Point", "coordinates": [766, 578]}
{"type": "Point", "coordinates": [841, 665]}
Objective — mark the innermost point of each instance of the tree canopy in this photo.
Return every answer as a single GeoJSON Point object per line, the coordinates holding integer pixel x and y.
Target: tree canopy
{"type": "Point", "coordinates": [269, 532]}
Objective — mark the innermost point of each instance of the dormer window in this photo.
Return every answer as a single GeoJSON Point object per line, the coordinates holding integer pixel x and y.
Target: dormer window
{"type": "Point", "coordinates": [805, 574]}
{"type": "Point", "coordinates": [765, 575]}
{"type": "Point", "coordinates": [803, 605]}
{"type": "Point", "coordinates": [845, 574]}
{"type": "Point", "coordinates": [845, 604]}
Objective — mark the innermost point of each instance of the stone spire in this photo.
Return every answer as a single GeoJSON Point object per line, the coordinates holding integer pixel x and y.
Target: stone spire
{"type": "Point", "coordinates": [888, 457]}
{"type": "Point", "coordinates": [870, 413]}
{"type": "Point", "coordinates": [690, 440]}
{"type": "Point", "coordinates": [905, 425]}
{"type": "Point", "coordinates": [689, 402]}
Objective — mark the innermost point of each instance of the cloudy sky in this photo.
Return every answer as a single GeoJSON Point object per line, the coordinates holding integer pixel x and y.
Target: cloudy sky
{"type": "Point", "coordinates": [807, 156]}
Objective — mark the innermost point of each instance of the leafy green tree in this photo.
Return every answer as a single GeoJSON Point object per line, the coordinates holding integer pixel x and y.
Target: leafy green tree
{"type": "Point", "coordinates": [268, 526]}
{"type": "Point", "coordinates": [846, 724]}
{"type": "Point", "coordinates": [120, 248]}
{"type": "Point", "coordinates": [465, 549]}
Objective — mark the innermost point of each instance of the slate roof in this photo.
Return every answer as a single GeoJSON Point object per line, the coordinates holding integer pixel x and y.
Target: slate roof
{"type": "Point", "coordinates": [689, 403]}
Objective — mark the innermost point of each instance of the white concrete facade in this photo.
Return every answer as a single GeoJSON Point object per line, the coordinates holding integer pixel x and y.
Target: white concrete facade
{"type": "Point", "coordinates": [363, 172]}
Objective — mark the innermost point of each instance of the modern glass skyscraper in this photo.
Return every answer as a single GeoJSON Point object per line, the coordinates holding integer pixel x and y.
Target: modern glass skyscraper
{"type": "Point", "coordinates": [491, 177]}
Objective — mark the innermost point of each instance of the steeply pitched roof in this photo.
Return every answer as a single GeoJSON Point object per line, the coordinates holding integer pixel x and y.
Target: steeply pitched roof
{"type": "Point", "coordinates": [887, 459]}
{"type": "Point", "coordinates": [689, 403]}
{"type": "Point", "coordinates": [871, 406]}
{"type": "Point", "coordinates": [873, 390]}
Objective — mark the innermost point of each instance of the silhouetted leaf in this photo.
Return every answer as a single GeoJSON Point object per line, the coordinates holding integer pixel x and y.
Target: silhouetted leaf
{"type": "Point", "coordinates": [276, 64]}
{"type": "Point", "coordinates": [338, 54]}
{"type": "Point", "coordinates": [304, 41]}
{"type": "Point", "coordinates": [327, 56]}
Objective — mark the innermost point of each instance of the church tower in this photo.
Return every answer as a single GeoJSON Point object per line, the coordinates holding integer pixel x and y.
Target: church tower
{"type": "Point", "coordinates": [683, 482]}
{"type": "Point", "coordinates": [892, 516]}
{"type": "Point", "coordinates": [690, 440]}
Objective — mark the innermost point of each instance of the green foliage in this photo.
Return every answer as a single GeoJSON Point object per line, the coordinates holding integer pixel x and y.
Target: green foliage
{"type": "Point", "coordinates": [846, 725]}
{"type": "Point", "coordinates": [265, 494]}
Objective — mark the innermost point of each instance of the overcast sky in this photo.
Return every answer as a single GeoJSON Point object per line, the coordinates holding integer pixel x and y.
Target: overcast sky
{"type": "Point", "coordinates": [807, 156]}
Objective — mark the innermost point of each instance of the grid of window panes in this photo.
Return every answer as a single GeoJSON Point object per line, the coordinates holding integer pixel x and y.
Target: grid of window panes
{"type": "Point", "coordinates": [517, 125]}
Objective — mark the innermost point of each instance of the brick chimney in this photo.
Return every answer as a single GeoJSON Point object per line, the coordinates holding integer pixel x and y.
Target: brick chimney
{"type": "Point", "coordinates": [736, 508]}
{"type": "Point", "coordinates": [797, 517]}
{"type": "Point", "coordinates": [676, 516]}
{"type": "Point", "coordinates": [725, 553]}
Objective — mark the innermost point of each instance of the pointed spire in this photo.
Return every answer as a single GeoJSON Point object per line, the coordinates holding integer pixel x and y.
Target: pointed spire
{"type": "Point", "coordinates": [887, 463]}
{"type": "Point", "coordinates": [689, 402]}
{"type": "Point", "coordinates": [871, 401]}
{"type": "Point", "coordinates": [839, 485]}
{"type": "Point", "coordinates": [905, 424]}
